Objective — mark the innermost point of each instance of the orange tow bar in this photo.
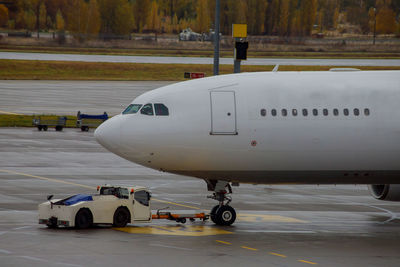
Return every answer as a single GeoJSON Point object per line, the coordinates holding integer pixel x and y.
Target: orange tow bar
{"type": "Point", "coordinates": [179, 217]}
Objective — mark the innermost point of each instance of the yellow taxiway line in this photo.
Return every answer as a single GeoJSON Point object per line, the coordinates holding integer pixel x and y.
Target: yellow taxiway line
{"type": "Point", "coordinates": [86, 186]}
{"type": "Point", "coordinates": [223, 242]}
{"type": "Point", "coordinates": [46, 178]}
{"type": "Point", "coordinates": [309, 262]}
{"type": "Point", "coordinates": [249, 248]}
{"type": "Point", "coordinates": [277, 254]}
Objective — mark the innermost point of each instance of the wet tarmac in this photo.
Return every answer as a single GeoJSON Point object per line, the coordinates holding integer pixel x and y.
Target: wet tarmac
{"type": "Point", "coordinates": [277, 225]}
{"type": "Point", "coordinates": [199, 60]}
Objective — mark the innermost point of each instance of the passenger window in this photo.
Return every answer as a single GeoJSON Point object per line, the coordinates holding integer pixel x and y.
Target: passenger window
{"type": "Point", "coordinates": [284, 112]}
{"type": "Point", "coordinates": [273, 112]}
{"type": "Point", "coordinates": [132, 109]}
{"type": "Point", "coordinates": [356, 112]}
{"type": "Point", "coordinates": [366, 112]}
{"type": "Point", "coordinates": [346, 112]}
{"type": "Point", "coordinates": [336, 112]}
{"type": "Point", "coordinates": [305, 112]}
{"type": "Point", "coordinates": [325, 112]}
{"type": "Point", "coordinates": [315, 112]}
{"type": "Point", "coordinates": [263, 112]}
{"type": "Point", "coordinates": [294, 112]}
{"type": "Point", "coordinates": [147, 110]}
{"type": "Point", "coordinates": [161, 109]}
{"type": "Point", "coordinates": [143, 197]}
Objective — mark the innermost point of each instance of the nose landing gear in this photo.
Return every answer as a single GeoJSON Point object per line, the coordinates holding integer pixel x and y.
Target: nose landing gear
{"type": "Point", "coordinates": [221, 214]}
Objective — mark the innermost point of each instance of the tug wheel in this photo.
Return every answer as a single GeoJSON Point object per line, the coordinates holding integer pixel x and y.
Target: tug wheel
{"type": "Point", "coordinates": [83, 219]}
{"type": "Point", "coordinates": [121, 217]}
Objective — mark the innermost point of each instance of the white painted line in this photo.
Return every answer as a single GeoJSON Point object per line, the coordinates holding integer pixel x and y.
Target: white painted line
{"type": "Point", "coordinates": [5, 251]}
{"type": "Point", "coordinates": [23, 227]}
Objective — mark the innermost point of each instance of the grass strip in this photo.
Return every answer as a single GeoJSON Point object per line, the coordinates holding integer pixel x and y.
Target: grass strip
{"type": "Point", "coordinates": [26, 120]}
{"type": "Point", "coordinates": [66, 70]}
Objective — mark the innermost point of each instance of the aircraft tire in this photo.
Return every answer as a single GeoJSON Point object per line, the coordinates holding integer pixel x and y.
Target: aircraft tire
{"type": "Point", "coordinates": [226, 215]}
{"type": "Point", "coordinates": [213, 214]}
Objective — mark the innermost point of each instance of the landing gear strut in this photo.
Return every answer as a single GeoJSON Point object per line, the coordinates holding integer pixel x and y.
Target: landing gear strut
{"type": "Point", "coordinates": [221, 214]}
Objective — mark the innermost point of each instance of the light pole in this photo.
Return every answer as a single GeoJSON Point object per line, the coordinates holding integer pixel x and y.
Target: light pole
{"type": "Point", "coordinates": [216, 37]}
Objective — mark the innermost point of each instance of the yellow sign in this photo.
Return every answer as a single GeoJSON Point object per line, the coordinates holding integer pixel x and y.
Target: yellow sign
{"type": "Point", "coordinates": [181, 230]}
{"type": "Point", "coordinates": [239, 30]}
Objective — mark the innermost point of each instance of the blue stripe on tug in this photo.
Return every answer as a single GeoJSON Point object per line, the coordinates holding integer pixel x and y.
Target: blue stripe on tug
{"type": "Point", "coordinates": [77, 198]}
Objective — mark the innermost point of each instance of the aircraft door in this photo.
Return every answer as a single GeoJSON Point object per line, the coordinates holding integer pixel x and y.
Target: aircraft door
{"type": "Point", "coordinates": [223, 113]}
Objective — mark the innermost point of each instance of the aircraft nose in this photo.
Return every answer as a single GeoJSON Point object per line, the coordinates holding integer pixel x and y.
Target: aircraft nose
{"type": "Point", "coordinates": [108, 134]}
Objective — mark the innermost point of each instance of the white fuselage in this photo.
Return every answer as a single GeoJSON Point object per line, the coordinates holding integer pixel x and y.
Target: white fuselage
{"type": "Point", "coordinates": [224, 128]}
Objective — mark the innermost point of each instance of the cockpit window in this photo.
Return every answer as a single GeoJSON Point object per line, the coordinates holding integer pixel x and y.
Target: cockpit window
{"type": "Point", "coordinates": [147, 110]}
{"type": "Point", "coordinates": [132, 109]}
{"type": "Point", "coordinates": [161, 109]}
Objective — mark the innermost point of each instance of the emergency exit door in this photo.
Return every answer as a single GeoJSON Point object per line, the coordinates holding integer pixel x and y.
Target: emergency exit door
{"type": "Point", "coordinates": [223, 113]}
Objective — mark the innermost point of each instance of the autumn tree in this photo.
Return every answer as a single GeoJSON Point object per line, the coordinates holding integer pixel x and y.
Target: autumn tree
{"type": "Point", "coordinates": [141, 11]}
{"type": "Point", "coordinates": [93, 23]}
{"type": "Point", "coordinates": [3, 15]}
{"type": "Point", "coordinates": [29, 20]}
{"type": "Point", "coordinates": [42, 16]}
{"type": "Point", "coordinates": [272, 17]}
{"type": "Point", "coordinates": [203, 17]}
{"type": "Point", "coordinates": [283, 23]}
{"type": "Point", "coordinates": [328, 14]}
{"type": "Point", "coordinates": [255, 16]}
{"type": "Point", "coordinates": [154, 22]}
{"type": "Point", "coordinates": [124, 20]}
{"type": "Point", "coordinates": [60, 22]}
{"type": "Point", "coordinates": [308, 9]}
{"type": "Point", "coordinates": [83, 19]}
{"type": "Point", "coordinates": [385, 18]}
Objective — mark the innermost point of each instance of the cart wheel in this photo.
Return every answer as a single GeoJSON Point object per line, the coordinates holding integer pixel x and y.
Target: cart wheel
{"type": "Point", "coordinates": [182, 220]}
{"type": "Point", "coordinates": [121, 217]}
{"type": "Point", "coordinates": [45, 128]}
{"type": "Point", "coordinates": [192, 219]}
{"type": "Point", "coordinates": [82, 128]}
{"type": "Point", "coordinates": [39, 128]}
{"type": "Point", "coordinates": [83, 219]}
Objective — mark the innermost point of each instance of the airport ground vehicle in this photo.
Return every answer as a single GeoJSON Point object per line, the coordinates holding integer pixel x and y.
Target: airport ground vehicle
{"type": "Point", "coordinates": [86, 121]}
{"type": "Point", "coordinates": [116, 205]}
{"type": "Point", "coordinates": [43, 123]}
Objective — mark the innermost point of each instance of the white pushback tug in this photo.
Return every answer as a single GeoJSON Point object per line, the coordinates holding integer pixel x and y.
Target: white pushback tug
{"type": "Point", "coordinates": [115, 205]}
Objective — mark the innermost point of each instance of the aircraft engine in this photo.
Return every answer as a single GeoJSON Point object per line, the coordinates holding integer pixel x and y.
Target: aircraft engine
{"type": "Point", "coordinates": [389, 192]}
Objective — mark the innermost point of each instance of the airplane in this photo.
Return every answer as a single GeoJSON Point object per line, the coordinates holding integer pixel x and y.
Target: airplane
{"type": "Point", "coordinates": [333, 127]}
